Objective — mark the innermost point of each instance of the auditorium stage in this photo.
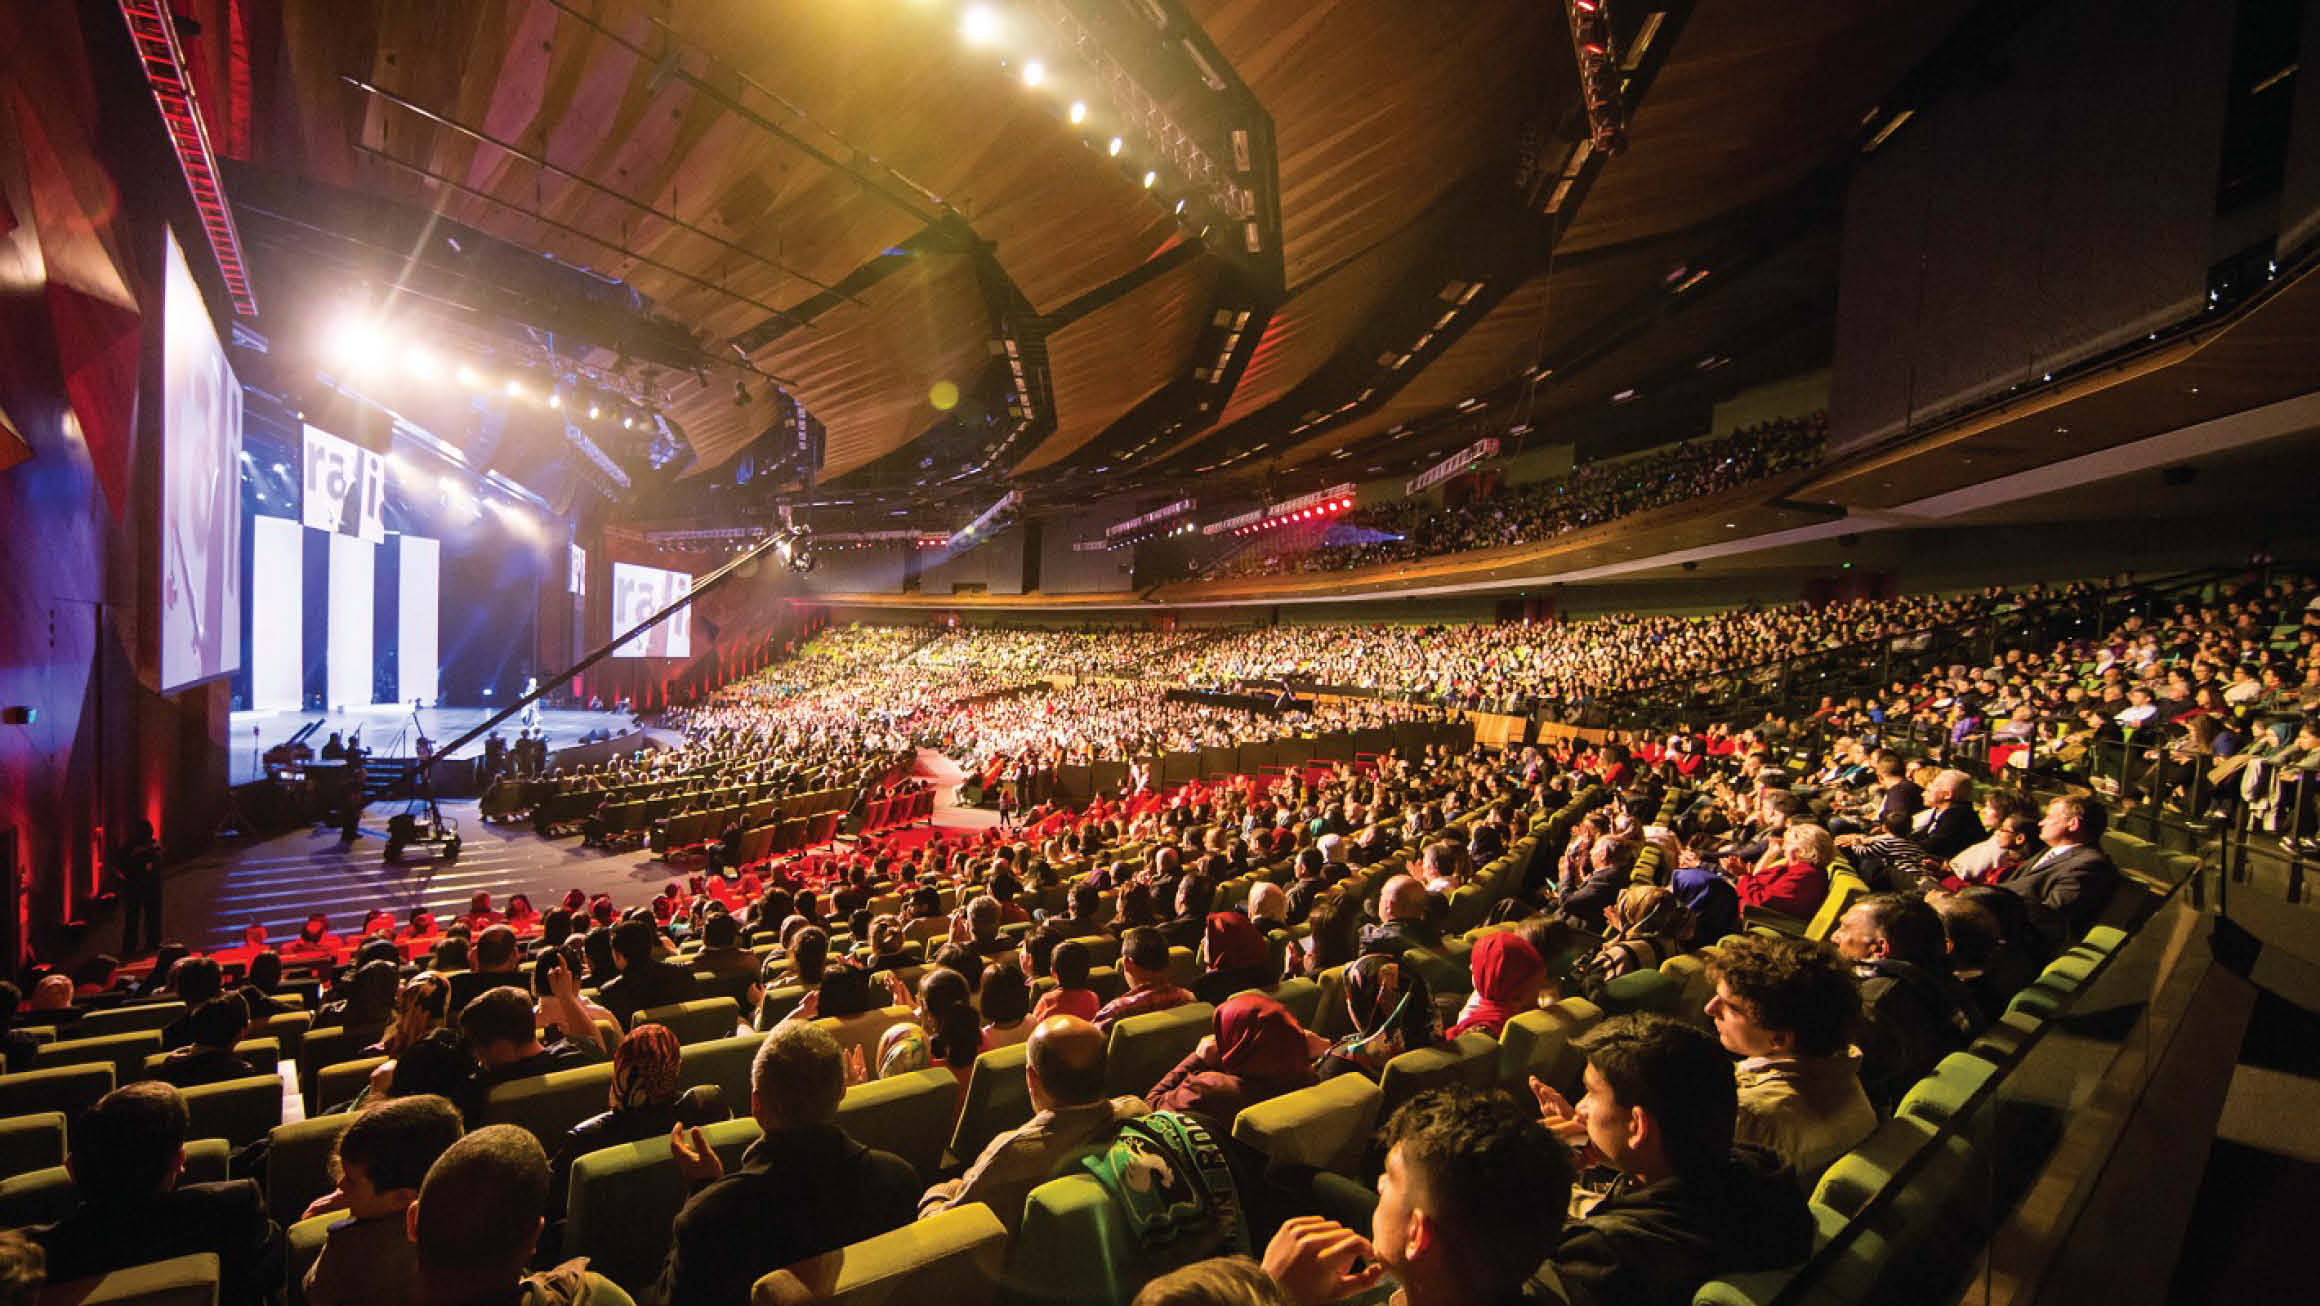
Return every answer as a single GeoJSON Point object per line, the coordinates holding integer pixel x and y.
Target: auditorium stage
{"type": "Point", "coordinates": [382, 723]}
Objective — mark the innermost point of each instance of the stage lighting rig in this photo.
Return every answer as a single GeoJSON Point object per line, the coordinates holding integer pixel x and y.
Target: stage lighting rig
{"type": "Point", "coordinates": [1591, 42]}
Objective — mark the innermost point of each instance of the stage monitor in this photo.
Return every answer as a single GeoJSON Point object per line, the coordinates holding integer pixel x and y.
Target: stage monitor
{"type": "Point", "coordinates": [201, 519]}
{"type": "Point", "coordinates": [639, 592]}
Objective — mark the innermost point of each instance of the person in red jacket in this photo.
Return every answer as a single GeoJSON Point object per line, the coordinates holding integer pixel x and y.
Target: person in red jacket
{"type": "Point", "coordinates": [1795, 883]}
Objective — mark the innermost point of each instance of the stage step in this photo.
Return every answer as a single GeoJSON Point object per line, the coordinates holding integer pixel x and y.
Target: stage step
{"type": "Point", "coordinates": [389, 777]}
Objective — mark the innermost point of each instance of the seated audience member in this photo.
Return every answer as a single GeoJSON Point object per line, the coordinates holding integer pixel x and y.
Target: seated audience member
{"type": "Point", "coordinates": [947, 1031]}
{"type": "Point", "coordinates": [1472, 1193]}
{"type": "Point", "coordinates": [379, 1162]}
{"type": "Point", "coordinates": [1891, 859]}
{"type": "Point", "coordinates": [1065, 1073]}
{"type": "Point", "coordinates": [1710, 898]}
{"type": "Point", "coordinates": [2069, 884]}
{"type": "Point", "coordinates": [1403, 907]}
{"type": "Point", "coordinates": [1509, 976]}
{"type": "Point", "coordinates": [1217, 1281]}
{"type": "Point", "coordinates": [1797, 880]}
{"type": "Point", "coordinates": [1392, 1012]}
{"type": "Point", "coordinates": [548, 1012]}
{"type": "Point", "coordinates": [212, 1030]}
{"type": "Point", "coordinates": [495, 955]}
{"type": "Point", "coordinates": [1913, 1012]}
{"type": "Point", "coordinates": [421, 1008]}
{"type": "Point", "coordinates": [1258, 1051]}
{"type": "Point", "coordinates": [2012, 841]}
{"type": "Point", "coordinates": [644, 980]}
{"type": "Point", "coordinates": [259, 982]}
{"type": "Point", "coordinates": [1144, 960]}
{"type": "Point", "coordinates": [24, 1269]}
{"type": "Point", "coordinates": [505, 1039]}
{"type": "Point", "coordinates": [1268, 907]}
{"type": "Point", "coordinates": [889, 950]}
{"type": "Point", "coordinates": [124, 1158]}
{"type": "Point", "coordinates": [1084, 919]}
{"type": "Point", "coordinates": [722, 955]}
{"type": "Point", "coordinates": [1592, 883]}
{"type": "Point", "coordinates": [314, 939]}
{"type": "Point", "coordinates": [1071, 995]}
{"type": "Point", "coordinates": [480, 916]}
{"type": "Point", "coordinates": [803, 1188]}
{"type": "Point", "coordinates": [1307, 886]}
{"type": "Point", "coordinates": [1786, 1007]}
{"type": "Point", "coordinates": [646, 1102]}
{"type": "Point", "coordinates": [1234, 956]}
{"type": "Point", "coordinates": [476, 1222]}
{"type": "Point", "coordinates": [1189, 925]}
{"type": "Point", "coordinates": [196, 980]}
{"type": "Point", "coordinates": [1646, 926]}
{"type": "Point", "coordinates": [977, 928]}
{"type": "Point", "coordinates": [370, 998]}
{"type": "Point", "coordinates": [1689, 1204]}
{"type": "Point", "coordinates": [1949, 824]}
{"type": "Point", "coordinates": [1987, 952]}
{"type": "Point", "coordinates": [1006, 1005]}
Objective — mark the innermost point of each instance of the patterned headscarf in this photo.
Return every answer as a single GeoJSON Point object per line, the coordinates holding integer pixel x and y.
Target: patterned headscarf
{"type": "Point", "coordinates": [902, 1050]}
{"type": "Point", "coordinates": [1392, 1010]}
{"type": "Point", "coordinates": [644, 1068]}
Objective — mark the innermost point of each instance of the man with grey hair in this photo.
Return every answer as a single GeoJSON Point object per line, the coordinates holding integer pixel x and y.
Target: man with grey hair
{"type": "Point", "coordinates": [803, 1188]}
{"type": "Point", "coordinates": [1949, 824]}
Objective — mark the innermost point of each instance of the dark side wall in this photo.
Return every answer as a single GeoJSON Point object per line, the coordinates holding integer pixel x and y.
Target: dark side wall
{"type": "Point", "coordinates": [88, 187]}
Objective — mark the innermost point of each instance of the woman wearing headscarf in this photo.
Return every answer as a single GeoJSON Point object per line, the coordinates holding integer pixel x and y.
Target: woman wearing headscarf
{"type": "Point", "coordinates": [1392, 1011]}
{"type": "Point", "coordinates": [1235, 956]}
{"type": "Point", "coordinates": [1647, 927]}
{"type": "Point", "coordinates": [1509, 975]}
{"type": "Point", "coordinates": [646, 1102]}
{"type": "Point", "coordinates": [1257, 1051]}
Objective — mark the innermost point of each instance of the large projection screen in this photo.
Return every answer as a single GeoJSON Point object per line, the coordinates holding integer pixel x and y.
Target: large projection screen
{"type": "Point", "coordinates": [639, 592]}
{"type": "Point", "coordinates": [416, 618]}
{"type": "Point", "coordinates": [347, 666]}
{"type": "Point", "coordinates": [201, 517]}
{"type": "Point", "coordinates": [277, 614]}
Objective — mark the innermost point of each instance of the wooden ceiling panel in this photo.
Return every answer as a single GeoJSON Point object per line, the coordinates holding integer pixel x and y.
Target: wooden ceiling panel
{"type": "Point", "coordinates": [1094, 384]}
{"type": "Point", "coordinates": [1379, 106]}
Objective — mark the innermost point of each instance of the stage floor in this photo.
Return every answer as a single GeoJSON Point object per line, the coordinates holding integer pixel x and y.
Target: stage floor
{"type": "Point", "coordinates": [381, 723]}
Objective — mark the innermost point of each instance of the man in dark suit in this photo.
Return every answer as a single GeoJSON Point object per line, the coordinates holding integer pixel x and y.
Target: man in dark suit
{"type": "Point", "coordinates": [1949, 825]}
{"type": "Point", "coordinates": [126, 1153]}
{"type": "Point", "coordinates": [643, 981]}
{"type": "Point", "coordinates": [2072, 881]}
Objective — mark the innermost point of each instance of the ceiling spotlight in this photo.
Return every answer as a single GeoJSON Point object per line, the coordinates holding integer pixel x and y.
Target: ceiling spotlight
{"type": "Point", "coordinates": [1078, 112]}
{"type": "Point", "coordinates": [467, 377]}
{"type": "Point", "coordinates": [979, 25]}
{"type": "Point", "coordinates": [591, 412]}
{"type": "Point", "coordinates": [1034, 73]}
{"type": "Point", "coordinates": [1151, 179]}
{"type": "Point", "coordinates": [419, 363]}
{"type": "Point", "coordinates": [627, 423]}
{"type": "Point", "coordinates": [555, 400]}
{"type": "Point", "coordinates": [358, 341]}
{"type": "Point", "coordinates": [1115, 147]}
{"type": "Point", "coordinates": [515, 388]}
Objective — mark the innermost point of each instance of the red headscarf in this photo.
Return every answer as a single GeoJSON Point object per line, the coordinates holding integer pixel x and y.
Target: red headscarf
{"type": "Point", "coordinates": [1233, 942]}
{"type": "Point", "coordinates": [1504, 965]}
{"type": "Point", "coordinates": [1257, 1038]}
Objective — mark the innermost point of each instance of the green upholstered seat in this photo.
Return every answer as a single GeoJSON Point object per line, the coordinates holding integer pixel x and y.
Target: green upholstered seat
{"type": "Point", "coordinates": [1693, 986]}
{"type": "Point", "coordinates": [724, 1062]}
{"type": "Point", "coordinates": [286, 1028]}
{"type": "Point", "coordinates": [1183, 967]}
{"type": "Point", "coordinates": [1855, 1179]}
{"type": "Point", "coordinates": [1102, 949]}
{"type": "Point", "coordinates": [46, 1196]}
{"type": "Point", "coordinates": [1471, 1059]}
{"type": "Point", "coordinates": [1070, 1250]}
{"type": "Point", "coordinates": [908, 1115]}
{"type": "Point", "coordinates": [1325, 1126]}
{"type": "Point", "coordinates": [2007, 1037]}
{"type": "Point", "coordinates": [31, 1142]}
{"type": "Point", "coordinates": [1144, 1048]}
{"type": "Point", "coordinates": [778, 1002]}
{"type": "Point", "coordinates": [1641, 990]}
{"type": "Point", "coordinates": [179, 1281]}
{"type": "Point", "coordinates": [865, 1030]}
{"type": "Point", "coordinates": [1331, 1020]}
{"type": "Point", "coordinates": [549, 1105]}
{"type": "Point", "coordinates": [2041, 1000]}
{"type": "Point", "coordinates": [71, 1088]}
{"type": "Point", "coordinates": [625, 1198]}
{"type": "Point", "coordinates": [1300, 995]}
{"type": "Point", "coordinates": [338, 1084]}
{"type": "Point", "coordinates": [329, 1045]}
{"type": "Point", "coordinates": [998, 1098]}
{"type": "Point", "coordinates": [1106, 982]}
{"type": "Point", "coordinates": [128, 1020]}
{"type": "Point", "coordinates": [697, 1021]}
{"type": "Point", "coordinates": [298, 1162]}
{"type": "Point", "coordinates": [1948, 1092]}
{"type": "Point", "coordinates": [303, 1245]}
{"type": "Point", "coordinates": [953, 1257]}
{"type": "Point", "coordinates": [1539, 1043]}
{"type": "Point", "coordinates": [125, 1053]}
{"type": "Point", "coordinates": [240, 1111]}
{"type": "Point", "coordinates": [263, 1054]}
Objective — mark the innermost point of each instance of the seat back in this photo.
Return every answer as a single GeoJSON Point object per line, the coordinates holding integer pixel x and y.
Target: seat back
{"type": "Point", "coordinates": [998, 1098]}
{"type": "Point", "coordinates": [298, 1161]}
{"type": "Point", "coordinates": [128, 1020]}
{"type": "Point", "coordinates": [303, 1244]}
{"type": "Point", "coordinates": [240, 1111]}
{"type": "Point", "coordinates": [1300, 995]}
{"type": "Point", "coordinates": [1845, 889]}
{"type": "Point", "coordinates": [1472, 1059]}
{"type": "Point", "coordinates": [1326, 1126]}
{"type": "Point", "coordinates": [328, 1045]}
{"type": "Point", "coordinates": [865, 1030]}
{"type": "Point", "coordinates": [1641, 990]}
{"type": "Point", "coordinates": [179, 1281]}
{"type": "Point", "coordinates": [263, 1054]}
{"type": "Point", "coordinates": [953, 1257]}
{"type": "Point", "coordinates": [1144, 1048]}
{"type": "Point", "coordinates": [31, 1142]}
{"type": "Point", "coordinates": [625, 1198]}
{"type": "Point", "coordinates": [1330, 1018]}
{"type": "Point", "coordinates": [1539, 1043]}
{"type": "Point", "coordinates": [549, 1105]}
{"type": "Point", "coordinates": [338, 1084]}
{"type": "Point", "coordinates": [70, 1089]}
{"type": "Point", "coordinates": [1183, 967]}
{"type": "Point", "coordinates": [908, 1115]}
{"type": "Point", "coordinates": [125, 1053]}
{"type": "Point", "coordinates": [697, 1021]}
{"type": "Point", "coordinates": [724, 1062]}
